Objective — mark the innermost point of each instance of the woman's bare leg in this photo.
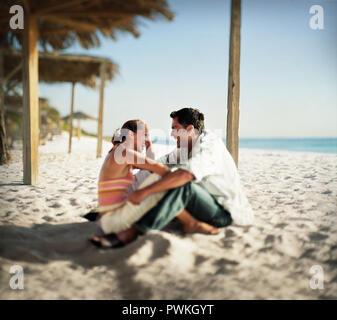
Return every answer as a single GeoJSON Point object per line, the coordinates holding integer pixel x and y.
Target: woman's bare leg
{"type": "Point", "coordinates": [190, 224]}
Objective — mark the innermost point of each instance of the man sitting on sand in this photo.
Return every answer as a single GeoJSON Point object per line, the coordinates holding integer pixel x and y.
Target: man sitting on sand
{"type": "Point", "coordinates": [207, 183]}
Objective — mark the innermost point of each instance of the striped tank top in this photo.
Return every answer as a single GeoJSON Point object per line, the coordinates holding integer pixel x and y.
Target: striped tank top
{"type": "Point", "coordinates": [113, 193]}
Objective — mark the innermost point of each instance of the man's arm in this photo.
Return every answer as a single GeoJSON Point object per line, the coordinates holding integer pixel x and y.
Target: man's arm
{"type": "Point", "coordinates": [143, 174]}
{"type": "Point", "coordinates": [140, 161]}
{"type": "Point", "coordinates": [172, 180]}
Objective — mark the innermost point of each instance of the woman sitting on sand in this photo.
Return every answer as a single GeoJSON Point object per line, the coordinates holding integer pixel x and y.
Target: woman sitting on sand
{"type": "Point", "coordinates": [116, 178]}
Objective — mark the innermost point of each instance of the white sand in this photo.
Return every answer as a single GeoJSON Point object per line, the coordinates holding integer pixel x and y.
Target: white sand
{"type": "Point", "coordinates": [293, 195]}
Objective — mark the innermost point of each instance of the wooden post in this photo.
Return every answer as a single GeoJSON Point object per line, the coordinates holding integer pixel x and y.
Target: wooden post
{"type": "Point", "coordinates": [41, 134]}
{"type": "Point", "coordinates": [100, 113]}
{"type": "Point", "coordinates": [30, 101]}
{"type": "Point", "coordinates": [232, 135]}
{"type": "Point", "coordinates": [71, 116]}
{"type": "Point", "coordinates": [78, 128]}
{"type": "Point", "coordinates": [5, 154]}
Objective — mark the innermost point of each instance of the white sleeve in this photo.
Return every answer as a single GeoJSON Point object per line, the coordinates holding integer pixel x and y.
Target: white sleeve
{"type": "Point", "coordinates": [201, 165]}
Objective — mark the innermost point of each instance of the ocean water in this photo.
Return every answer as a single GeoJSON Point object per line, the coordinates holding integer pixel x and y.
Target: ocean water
{"type": "Point", "coordinates": [320, 145]}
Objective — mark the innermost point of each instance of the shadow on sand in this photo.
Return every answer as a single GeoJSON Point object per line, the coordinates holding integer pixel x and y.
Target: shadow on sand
{"type": "Point", "coordinates": [12, 184]}
{"type": "Point", "coordinates": [43, 243]}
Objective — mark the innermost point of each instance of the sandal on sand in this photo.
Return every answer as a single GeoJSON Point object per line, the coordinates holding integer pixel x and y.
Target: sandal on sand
{"type": "Point", "coordinates": [91, 216]}
{"type": "Point", "coordinates": [107, 241]}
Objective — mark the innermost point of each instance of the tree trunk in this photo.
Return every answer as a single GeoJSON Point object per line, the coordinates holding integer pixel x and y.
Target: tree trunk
{"type": "Point", "coordinates": [5, 155]}
{"type": "Point", "coordinates": [232, 139]}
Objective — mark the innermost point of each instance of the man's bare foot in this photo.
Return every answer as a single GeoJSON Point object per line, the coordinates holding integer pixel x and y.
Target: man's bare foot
{"type": "Point", "coordinates": [200, 227]}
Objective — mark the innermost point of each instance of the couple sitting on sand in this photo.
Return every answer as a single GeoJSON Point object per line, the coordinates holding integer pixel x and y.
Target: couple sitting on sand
{"type": "Point", "coordinates": [197, 183]}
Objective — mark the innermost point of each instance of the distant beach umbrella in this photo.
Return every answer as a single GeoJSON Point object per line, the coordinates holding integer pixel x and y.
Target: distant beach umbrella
{"type": "Point", "coordinates": [79, 115]}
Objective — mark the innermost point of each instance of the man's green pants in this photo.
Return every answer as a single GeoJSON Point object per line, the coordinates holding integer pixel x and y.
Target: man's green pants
{"type": "Point", "coordinates": [192, 197]}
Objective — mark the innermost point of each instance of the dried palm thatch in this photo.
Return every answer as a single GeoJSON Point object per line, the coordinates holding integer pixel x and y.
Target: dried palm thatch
{"type": "Point", "coordinates": [80, 116]}
{"type": "Point", "coordinates": [55, 68]}
{"type": "Point", "coordinates": [64, 22]}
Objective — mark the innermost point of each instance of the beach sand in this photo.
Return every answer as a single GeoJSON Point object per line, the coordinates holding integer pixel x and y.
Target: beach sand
{"type": "Point", "coordinates": [294, 196]}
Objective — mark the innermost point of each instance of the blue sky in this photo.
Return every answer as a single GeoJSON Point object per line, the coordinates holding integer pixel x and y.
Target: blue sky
{"type": "Point", "coordinates": [288, 70]}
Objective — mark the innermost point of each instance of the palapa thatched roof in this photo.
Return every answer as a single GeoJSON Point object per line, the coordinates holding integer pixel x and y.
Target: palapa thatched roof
{"type": "Point", "coordinates": [64, 22]}
{"type": "Point", "coordinates": [63, 67]}
{"type": "Point", "coordinates": [79, 115]}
